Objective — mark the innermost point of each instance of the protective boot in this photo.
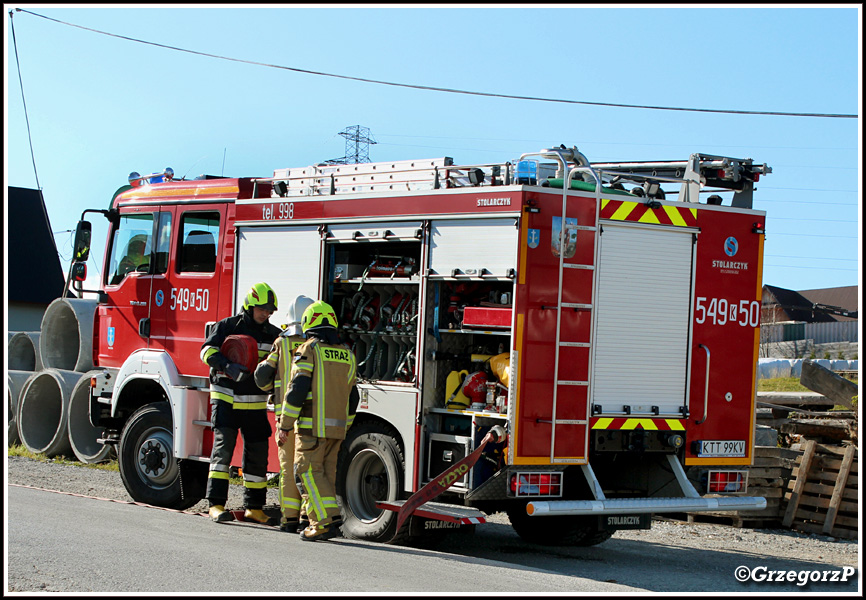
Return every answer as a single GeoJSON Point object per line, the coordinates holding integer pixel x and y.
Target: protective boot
{"type": "Point", "coordinates": [219, 514]}
{"type": "Point", "coordinates": [257, 515]}
{"type": "Point", "coordinates": [314, 534]}
{"type": "Point", "coordinates": [289, 525]}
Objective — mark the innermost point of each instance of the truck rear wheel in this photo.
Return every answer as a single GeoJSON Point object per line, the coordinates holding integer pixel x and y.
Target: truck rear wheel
{"type": "Point", "coordinates": [146, 459]}
{"type": "Point", "coordinates": [565, 530]}
{"type": "Point", "coordinates": [369, 470]}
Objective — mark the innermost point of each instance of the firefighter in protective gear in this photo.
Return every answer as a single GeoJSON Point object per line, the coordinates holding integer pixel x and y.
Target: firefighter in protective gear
{"type": "Point", "coordinates": [237, 404]}
{"type": "Point", "coordinates": [272, 375]}
{"type": "Point", "coordinates": [321, 399]}
{"type": "Point", "coordinates": [133, 259]}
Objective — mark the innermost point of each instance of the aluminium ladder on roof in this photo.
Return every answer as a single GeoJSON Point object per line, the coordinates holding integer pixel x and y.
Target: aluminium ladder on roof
{"type": "Point", "coordinates": [406, 176]}
{"type": "Point", "coordinates": [564, 373]}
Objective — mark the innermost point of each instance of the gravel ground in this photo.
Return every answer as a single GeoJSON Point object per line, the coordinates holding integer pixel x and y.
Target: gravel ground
{"type": "Point", "coordinates": [782, 543]}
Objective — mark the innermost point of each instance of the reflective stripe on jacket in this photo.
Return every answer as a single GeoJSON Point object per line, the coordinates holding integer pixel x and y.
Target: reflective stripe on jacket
{"type": "Point", "coordinates": [324, 413]}
{"type": "Point", "coordinates": [276, 368]}
{"type": "Point", "coordinates": [244, 394]}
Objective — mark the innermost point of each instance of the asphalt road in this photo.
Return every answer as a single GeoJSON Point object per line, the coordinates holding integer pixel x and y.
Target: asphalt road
{"type": "Point", "coordinates": [66, 543]}
{"type": "Point", "coordinates": [63, 543]}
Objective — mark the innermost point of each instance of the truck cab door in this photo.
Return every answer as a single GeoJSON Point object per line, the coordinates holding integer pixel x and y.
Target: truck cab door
{"type": "Point", "coordinates": [186, 295]}
{"type": "Point", "coordinates": [127, 282]}
{"type": "Point", "coordinates": [156, 326]}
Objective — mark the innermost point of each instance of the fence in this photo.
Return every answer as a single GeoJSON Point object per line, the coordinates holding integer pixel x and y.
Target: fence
{"type": "Point", "coordinates": [819, 333]}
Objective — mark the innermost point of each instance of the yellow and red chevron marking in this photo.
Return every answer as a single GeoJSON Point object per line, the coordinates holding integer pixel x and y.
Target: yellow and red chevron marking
{"type": "Point", "coordinates": [634, 423]}
{"type": "Point", "coordinates": [626, 210]}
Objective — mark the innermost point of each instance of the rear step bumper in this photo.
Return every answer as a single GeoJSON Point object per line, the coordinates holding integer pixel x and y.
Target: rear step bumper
{"type": "Point", "coordinates": [612, 506]}
{"type": "Point", "coordinates": [691, 501]}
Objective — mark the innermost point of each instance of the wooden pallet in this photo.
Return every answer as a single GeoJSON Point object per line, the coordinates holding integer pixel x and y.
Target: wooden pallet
{"type": "Point", "coordinates": [822, 492]}
{"type": "Point", "coordinates": [769, 474]}
{"type": "Point", "coordinates": [772, 456]}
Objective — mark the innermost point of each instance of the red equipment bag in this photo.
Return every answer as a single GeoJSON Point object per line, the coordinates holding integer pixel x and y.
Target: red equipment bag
{"type": "Point", "coordinates": [241, 349]}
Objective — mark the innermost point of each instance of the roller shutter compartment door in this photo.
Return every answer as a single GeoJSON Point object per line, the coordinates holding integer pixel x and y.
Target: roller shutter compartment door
{"type": "Point", "coordinates": [286, 258]}
{"type": "Point", "coordinates": [467, 246]}
{"type": "Point", "coordinates": [643, 306]}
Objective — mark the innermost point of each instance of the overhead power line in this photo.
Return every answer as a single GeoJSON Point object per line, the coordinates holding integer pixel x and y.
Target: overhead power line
{"type": "Point", "coordinates": [448, 90]}
{"type": "Point", "coordinates": [799, 266]}
{"type": "Point", "coordinates": [809, 257]}
{"type": "Point", "coordinates": [24, 102]}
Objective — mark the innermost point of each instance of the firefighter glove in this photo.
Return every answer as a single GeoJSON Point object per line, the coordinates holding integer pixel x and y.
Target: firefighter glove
{"type": "Point", "coordinates": [236, 371]}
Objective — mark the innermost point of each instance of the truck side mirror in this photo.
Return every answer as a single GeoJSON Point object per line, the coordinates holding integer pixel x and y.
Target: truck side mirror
{"type": "Point", "coordinates": [82, 241]}
{"type": "Point", "coordinates": [79, 271]}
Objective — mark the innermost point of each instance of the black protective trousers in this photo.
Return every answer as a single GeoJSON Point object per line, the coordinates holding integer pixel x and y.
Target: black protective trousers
{"type": "Point", "coordinates": [255, 428]}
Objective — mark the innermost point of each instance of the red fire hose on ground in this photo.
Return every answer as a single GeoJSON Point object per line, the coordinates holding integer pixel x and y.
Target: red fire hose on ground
{"type": "Point", "coordinates": [447, 478]}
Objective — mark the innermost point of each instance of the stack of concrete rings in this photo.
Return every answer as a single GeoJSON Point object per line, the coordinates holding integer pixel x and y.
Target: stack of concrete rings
{"type": "Point", "coordinates": [53, 403]}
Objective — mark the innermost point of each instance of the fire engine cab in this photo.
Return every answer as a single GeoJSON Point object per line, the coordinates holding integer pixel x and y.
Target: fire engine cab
{"type": "Point", "coordinates": [604, 315]}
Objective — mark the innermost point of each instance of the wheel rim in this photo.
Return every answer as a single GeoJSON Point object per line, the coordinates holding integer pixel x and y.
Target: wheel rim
{"type": "Point", "coordinates": [367, 482]}
{"type": "Point", "coordinates": [154, 462]}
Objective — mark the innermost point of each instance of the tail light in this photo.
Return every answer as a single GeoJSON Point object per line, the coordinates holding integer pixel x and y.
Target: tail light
{"type": "Point", "coordinates": [727, 482]}
{"type": "Point", "coordinates": [536, 484]}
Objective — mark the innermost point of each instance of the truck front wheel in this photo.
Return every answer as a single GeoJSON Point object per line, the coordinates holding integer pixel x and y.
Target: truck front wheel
{"type": "Point", "coordinates": [369, 470]}
{"type": "Point", "coordinates": [565, 530]}
{"type": "Point", "coordinates": [146, 459]}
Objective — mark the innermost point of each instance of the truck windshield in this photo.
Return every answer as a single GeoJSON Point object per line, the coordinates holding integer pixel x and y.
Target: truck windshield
{"type": "Point", "coordinates": [131, 247]}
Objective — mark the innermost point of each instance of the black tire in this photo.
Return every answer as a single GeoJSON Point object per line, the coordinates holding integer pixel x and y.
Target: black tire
{"type": "Point", "coordinates": [369, 470]}
{"type": "Point", "coordinates": [566, 530]}
{"type": "Point", "coordinates": [146, 459]}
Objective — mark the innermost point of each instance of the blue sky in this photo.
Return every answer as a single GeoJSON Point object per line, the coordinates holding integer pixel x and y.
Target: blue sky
{"type": "Point", "coordinates": [100, 107]}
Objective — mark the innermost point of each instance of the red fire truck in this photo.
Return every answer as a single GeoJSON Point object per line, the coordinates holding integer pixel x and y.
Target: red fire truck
{"type": "Point", "coordinates": [604, 315]}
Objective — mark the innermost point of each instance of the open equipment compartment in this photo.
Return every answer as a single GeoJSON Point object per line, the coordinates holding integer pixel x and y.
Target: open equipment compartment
{"type": "Point", "coordinates": [458, 355]}
{"type": "Point", "coordinates": [373, 277]}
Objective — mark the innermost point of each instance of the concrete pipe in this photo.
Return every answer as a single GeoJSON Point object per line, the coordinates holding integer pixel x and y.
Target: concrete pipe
{"type": "Point", "coordinates": [66, 342]}
{"type": "Point", "coordinates": [17, 380]}
{"type": "Point", "coordinates": [42, 412]}
{"type": "Point", "coordinates": [24, 351]}
{"type": "Point", "coordinates": [12, 435]}
{"type": "Point", "coordinates": [83, 435]}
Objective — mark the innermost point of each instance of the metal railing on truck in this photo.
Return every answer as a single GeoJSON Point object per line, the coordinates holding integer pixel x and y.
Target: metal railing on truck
{"type": "Point", "coordinates": [699, 174]}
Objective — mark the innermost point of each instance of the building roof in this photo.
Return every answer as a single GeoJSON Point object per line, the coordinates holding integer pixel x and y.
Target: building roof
{"type": "Point", "coordinates": [844, 297]}
{"type": "Point", "coordinates": [35, 274]}
{"type": "Point", "coordinates": [799, 306]}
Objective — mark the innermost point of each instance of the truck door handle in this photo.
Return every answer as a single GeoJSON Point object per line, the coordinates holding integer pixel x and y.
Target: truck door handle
{"type": "Point", "coordinates": [706, 386]}
{"type": "Point", "coordinates": [144, 327]}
